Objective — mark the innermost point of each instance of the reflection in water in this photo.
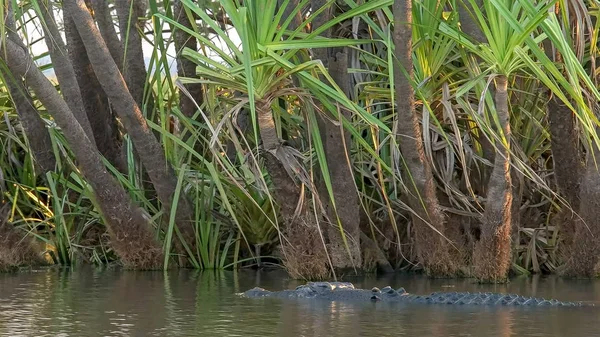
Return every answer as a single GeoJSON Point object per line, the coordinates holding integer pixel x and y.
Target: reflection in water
{"type": "Point", "coordinates": [88, 302]}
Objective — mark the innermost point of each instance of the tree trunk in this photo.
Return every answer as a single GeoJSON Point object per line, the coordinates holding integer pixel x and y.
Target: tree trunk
{"type": "Point", "coordinates": [95, 102]}
{"type": "Point", "coordinates": [468, 21]}
{"type": "Point", "coordinates": [304, 254]}
{"type": "Point", "coordinates": [432, 247]}
{"type": "Point", "coordinates": [131, 236]}
{"type": "Point", "coordinates": [33, 125]}
{"type": "Point", "coordinates": [584, 254]}
{"type": "Point", "coordinates": [134, 69]}
{"type": "Point", "coordinates": [64, 70]}
{"type": "Point", "coordinates": [185, 67]}
{"type": "Point", "coordinates": [344, 257]}
{"type": "Point", "coordinates": [107, 29]}
{"type": "Point", "coordinates": [493, 251]}
{"type": "Point", "coordinates": [568, 164]}
{"type": "Point", "coordinates": [297, 20]}
{"type": "Point", "coordinates": [15, 249]}
{"type": "Point", "coordinates": [470, 26]}
{"type": "Point", "coordinates": [149, 149]}
{"type": "Point", "coordinates": [336, 144]}
{"type": "Point", "coordinates": [484, 171]}
{"type": "Point", "coordinates": [372, 256]}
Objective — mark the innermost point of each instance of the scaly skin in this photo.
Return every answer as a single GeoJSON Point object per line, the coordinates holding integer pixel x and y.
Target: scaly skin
{"type": "Point", "coordinates": [345, 292]}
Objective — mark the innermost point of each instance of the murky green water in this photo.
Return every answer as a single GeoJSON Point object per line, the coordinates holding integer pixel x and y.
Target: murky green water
{"type": "Point", "coordinates": [188, 303]}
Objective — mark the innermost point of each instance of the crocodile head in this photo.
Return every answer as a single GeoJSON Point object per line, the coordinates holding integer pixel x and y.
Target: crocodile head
{"type": "Point", "coordinates": [332, 291]}
{"type": "Point", "coordinates": [256, 292]}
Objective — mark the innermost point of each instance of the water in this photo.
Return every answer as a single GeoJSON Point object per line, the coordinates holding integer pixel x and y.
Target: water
{"type": "Point", "coordinates": [187, 303]}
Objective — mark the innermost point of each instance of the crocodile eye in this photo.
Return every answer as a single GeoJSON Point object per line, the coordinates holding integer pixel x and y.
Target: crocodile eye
{"type": "Point", "coordinates": [375, 290]}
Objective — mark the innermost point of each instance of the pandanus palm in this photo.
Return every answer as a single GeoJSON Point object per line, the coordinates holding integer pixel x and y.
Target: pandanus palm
{"type": "Point", "coordinates": [573, 81]}
{"type": "Point", "coordinates": [573, 86]}
{"type": "Point", "coordinates": [501, 61]}
{"type": "Point", "coordinates": [262, 73]}
{"type": "Point", "coordinates": [418, 26]}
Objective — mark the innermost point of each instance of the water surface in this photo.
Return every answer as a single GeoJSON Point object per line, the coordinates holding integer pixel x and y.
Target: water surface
{"type": "Point", "coordinates": [89, 302]}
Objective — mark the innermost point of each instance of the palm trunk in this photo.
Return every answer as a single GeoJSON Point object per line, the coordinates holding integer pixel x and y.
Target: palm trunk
{"type": "Point", "coordinates": [286, 190]}
{"type": "Point", "coordinates": [131, 236]}
{"type": "Point", "coordinates": [304, 254]}
{"type": "Point", "coordinates": [469, 26]}
{"type": "Point", "coordinates": [585, 252]}
{"type": "Point", "coordinates": [336, 144]}
{"type": "Point", "coordinates": [432, 248]}
{"type": "Point", "coordinates": [149, 149]}
{"type": "Point", "coordinates": [134, 69]}
{"type": "Point", "coordinates": [33, 125]}
{"type": "Point", "coordinates": [346, 208]}
{"type": "Point", "coordinates": [95, 102]}
{"type": "Point", "coordinates": [493, 251]}
{"type": "Point", "coordinates": [64, 70]}
{"type": "Point", "coordinates": [185, 67]}
{"type": "Point", "coordinates": [107, 29]}
{"type": "Point", "coordinates": [468, 22]}
{"type": "Point", "coordinates": [568, 164]}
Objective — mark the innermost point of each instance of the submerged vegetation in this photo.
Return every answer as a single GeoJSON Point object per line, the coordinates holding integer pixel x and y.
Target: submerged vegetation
{"type": "Point", "coordinates": [454, 137]}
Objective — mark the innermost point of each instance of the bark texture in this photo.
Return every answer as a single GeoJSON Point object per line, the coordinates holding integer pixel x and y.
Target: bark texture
{"type": "Point", "coordinates": [107, 29]}
{"type": "Point", "coordinates": [95, 102]}
{"type": "Point", "coordinates": [347, 206]}
{"type": "Point", "coordinates": [468, 20]}
{"type": "Point", "coordinates": [492, 254]}
{"type": "Point", "coordinates": [185, 67]}
{"type": "Point", "coordinates": [33, 125]}
{"type": "Point", "coordinates": [131, 236]}
{"type": "Point", "coordinates": [484, 171]}
{"type": "Point", "coordinates": [64, 70]}
{"type": "Point", "coordinates": [568, 164]}
{"type": "Point", "coordinates": [432, 248]}
{"type": "Point", "coordinates": [304, 253]}
{"type": "Point", "coordinates": [344, 256]}
{"type": "Point", "coordinates": [470, 26]}
{"type": "Point", "coordinates": [16, 249]}
{"type": "Point", "coordinates": [584, 255]}
{"type": "Point", "coordinates": [372, 256]}
{"type": "Point", "coordinates": [148, 147]}
{"type": "Point", "coordinates": [134, 68]}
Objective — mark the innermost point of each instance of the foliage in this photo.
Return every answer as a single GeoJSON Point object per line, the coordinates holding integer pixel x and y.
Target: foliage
{"type": "Point", "coordinates": [255, 53]}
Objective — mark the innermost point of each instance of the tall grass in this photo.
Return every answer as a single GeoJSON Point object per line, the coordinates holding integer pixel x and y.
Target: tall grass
{"type": "Point", "coordinates": [217, 160]}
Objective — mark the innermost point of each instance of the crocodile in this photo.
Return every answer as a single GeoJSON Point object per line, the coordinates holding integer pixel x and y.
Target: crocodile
{"type": "Point", "coordinates": [346, 292]}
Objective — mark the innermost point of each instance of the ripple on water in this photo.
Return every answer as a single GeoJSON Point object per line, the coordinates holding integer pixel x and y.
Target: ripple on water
{"type": "Point", "coordinates": [186, 303]}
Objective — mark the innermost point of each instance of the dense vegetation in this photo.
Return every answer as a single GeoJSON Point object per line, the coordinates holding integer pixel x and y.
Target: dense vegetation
{"type": "Point", "coordinates": [457, 137]}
